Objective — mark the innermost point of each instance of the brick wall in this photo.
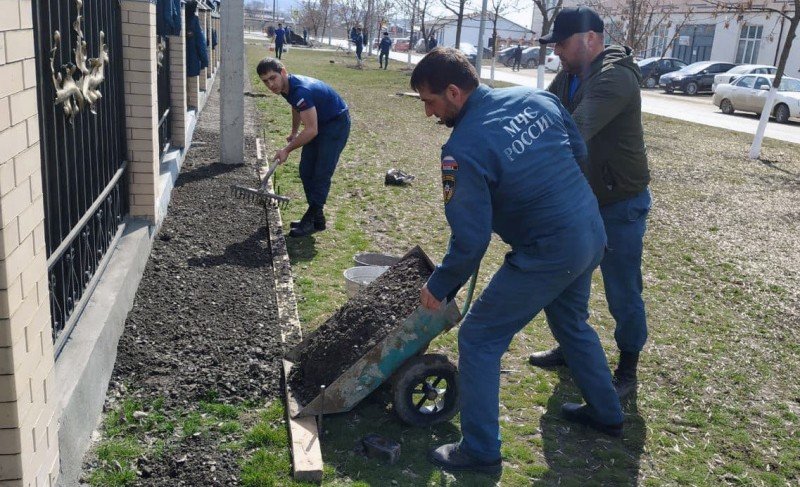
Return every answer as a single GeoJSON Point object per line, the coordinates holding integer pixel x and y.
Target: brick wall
{"type": "Point", "coordinates": [28, 417]}
{"type": "Point", "coordinates": [141, 104]}
{"type": "Point", "coordinates": [177, 85]}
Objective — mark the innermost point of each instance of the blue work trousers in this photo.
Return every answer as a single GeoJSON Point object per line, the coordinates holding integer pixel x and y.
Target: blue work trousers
{"type": "Point", "coordinates": [626, 222]}
{"type": "Point", "coordinates": [320, 156]}
{"type": "Point", "coordinates": [558, 280]}
{"type": "Point", "coordinates": [278, 49]}
{"type": "Point", "coordinates": [359, 50]}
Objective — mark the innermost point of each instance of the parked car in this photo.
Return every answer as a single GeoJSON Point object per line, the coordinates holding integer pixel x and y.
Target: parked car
{"type": "Point", "coordinates": [530, 57]}
{"type": "Point", "coordinates": [748, 93]}
{"type": "Point", "coordinates": [506, 56]}
{"type": "Point", "coordinates": [402, 44]}
{"type": "Point", "coordinates": [740, 70]}
{"type": "Point", "coordinates": [653, 67]}
{"type": "Point", "coordinates": [552, 62]}
{"type": "Point", "coordinates": [694, 78]}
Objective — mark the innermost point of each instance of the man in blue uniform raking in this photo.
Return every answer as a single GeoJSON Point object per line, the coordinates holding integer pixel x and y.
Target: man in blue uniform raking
{"type": "Point", "coordinates": [326, 128]}
{"type": "Point", "coordinates": [511, 166]}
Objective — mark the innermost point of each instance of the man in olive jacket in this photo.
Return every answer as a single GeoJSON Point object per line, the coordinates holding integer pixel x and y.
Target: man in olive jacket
{"type": "Point", "coordinates": [599, 86]}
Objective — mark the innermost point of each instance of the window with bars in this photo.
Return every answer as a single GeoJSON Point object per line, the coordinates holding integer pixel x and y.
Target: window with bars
{"type": "Point", "coordinates": [749, 44]}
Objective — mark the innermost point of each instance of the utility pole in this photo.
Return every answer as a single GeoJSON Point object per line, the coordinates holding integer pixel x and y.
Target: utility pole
{"type": "Point", "coordinates": [481, 32]}
{"type": "Point", "coordinates": [232, 83]}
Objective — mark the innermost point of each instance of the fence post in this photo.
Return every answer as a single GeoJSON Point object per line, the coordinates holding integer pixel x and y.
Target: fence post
{"type": "Point", "coordinates": [28, 417]}
{"type": "Point", "coordinates": [177, 73]}
{"type": "Point", "coordinates": [141, 104]}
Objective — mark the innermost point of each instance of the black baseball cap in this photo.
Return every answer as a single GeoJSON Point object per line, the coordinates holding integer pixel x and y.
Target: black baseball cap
{"type": "Point", "coordinates": [573, 21]}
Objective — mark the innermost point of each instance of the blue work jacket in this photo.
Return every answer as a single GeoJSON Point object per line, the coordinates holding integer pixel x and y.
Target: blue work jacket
{"type": "Point", "coordinates": [511, 167]}
{"type": "Point", "coordinates": [196, 48]}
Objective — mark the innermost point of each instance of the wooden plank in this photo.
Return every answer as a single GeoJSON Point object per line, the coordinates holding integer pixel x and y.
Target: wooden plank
{"type": "Point", "coordinates": [304, 437]}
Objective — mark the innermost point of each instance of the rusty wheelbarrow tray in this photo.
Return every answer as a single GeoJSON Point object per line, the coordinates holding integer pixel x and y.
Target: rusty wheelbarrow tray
{"type": "Point", "coordinates": [400, 350]}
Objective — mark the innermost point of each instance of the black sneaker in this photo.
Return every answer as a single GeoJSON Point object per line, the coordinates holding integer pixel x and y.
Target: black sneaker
{"type": "Point", "coordinates": [579, 413]}
{"type": "Point", "coordinates": [450, 457]}
{"type": "Point", "coordinates": [549, 358]}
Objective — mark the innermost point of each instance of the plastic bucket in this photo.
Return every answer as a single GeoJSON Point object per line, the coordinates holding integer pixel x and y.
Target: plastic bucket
{"type": "Point", "coordinates": [372, 258]}
{"type": "Point", "coordinates": [357, 278]}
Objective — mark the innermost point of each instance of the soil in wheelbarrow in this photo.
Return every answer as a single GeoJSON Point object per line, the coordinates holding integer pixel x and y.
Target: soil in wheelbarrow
{"type": "Point", "coordinates": [359, 325]}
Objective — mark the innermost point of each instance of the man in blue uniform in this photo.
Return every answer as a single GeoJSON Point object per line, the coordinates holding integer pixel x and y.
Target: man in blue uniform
{"type": "Point", "coordinates": [280, 38]}
{"type": "Point", "coordinates": [385, 45]}
{"type": "Point", "coordinates": [326, 127]}
{"type": "Point", "coordinates": [511, 166]}
{"type": "Point", "coordinates": [599, 86]}
{"type": "Point", "coordinates": [358, 40]}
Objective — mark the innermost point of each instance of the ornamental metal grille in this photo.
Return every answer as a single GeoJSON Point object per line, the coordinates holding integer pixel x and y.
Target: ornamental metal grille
{"type": "Point", "coordinates": [82, 139]}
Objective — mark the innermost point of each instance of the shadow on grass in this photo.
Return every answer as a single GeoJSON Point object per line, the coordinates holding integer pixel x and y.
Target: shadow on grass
{"type": "Point", "coordinates": [341, 452]}
{"type": "Point", "coordinates": [577, 454]}
{"type": "Point", "coordinates": [252, 253]}
{"type": "Point", "coordinates": [302, 249]}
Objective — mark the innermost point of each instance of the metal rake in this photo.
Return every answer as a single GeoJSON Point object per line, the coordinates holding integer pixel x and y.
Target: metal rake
{"type": "Point", "coordinates": [261, 195]}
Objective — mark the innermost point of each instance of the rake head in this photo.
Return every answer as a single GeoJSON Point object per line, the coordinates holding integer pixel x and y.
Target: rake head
{"type": "Point", "coordinates": [260, 196]}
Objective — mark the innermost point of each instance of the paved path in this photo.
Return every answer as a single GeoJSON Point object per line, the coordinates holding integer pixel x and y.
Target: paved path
{"type": "Point", "coordinates": [697, 109]}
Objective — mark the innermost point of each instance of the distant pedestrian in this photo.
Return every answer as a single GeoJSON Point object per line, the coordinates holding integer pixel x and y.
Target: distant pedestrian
{"type": "Point", "coordinates": [305, 35]}
{"type": "Point", "coordinates": [280, 38]}
{"type": "Point", "coordinates": [358, 40]}
{"type": "Point", "coordinates": [432, 43]}
{"type": "Point", "coordinates": [517, 58]}
{"type": "Point", "coordinates": [385, 46]}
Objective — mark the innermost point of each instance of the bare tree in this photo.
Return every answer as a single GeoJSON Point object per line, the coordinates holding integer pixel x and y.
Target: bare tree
{"type": "Point", "coordinates": [548, 9]}
{"type": "Point", "coordinates": [311, 15]}
{"type": "Point", "coordinates": [428, 21]}
{"type": "Point", "coordinates": [457, 7]}
{"type": "Point", "coordinates": [634, 22]}
{"type": "Point", "coordinates": [789, 10]}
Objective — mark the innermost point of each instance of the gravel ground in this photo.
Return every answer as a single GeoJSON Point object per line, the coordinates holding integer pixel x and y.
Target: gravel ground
{"type": "Point", "coordinates": [204, 324]}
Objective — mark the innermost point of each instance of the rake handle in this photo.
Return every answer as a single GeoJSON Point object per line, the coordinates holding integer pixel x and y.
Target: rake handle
{"type": "Point", "coordinates": [275, 163]}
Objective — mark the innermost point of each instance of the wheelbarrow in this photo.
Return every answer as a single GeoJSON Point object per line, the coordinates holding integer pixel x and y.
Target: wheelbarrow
{"type": "Point", "coordinates": [424, 387]}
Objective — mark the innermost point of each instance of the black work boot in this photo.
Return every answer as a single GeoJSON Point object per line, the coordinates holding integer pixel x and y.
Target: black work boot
{"type": "Point", "coordinates": [319, 220]}
{"type": "Point", "coordinates": [579, 413]}
{"type": "Point", "coordinates": [450, 457]}
{"type": "Point", "coordinates": [296, 223]}
{"type": "Point", "coordinates": [549, 358]}
{"type": "Point", "coordinates": [625, 381]}
{"type": "Point", "coordinates": [308, 224]}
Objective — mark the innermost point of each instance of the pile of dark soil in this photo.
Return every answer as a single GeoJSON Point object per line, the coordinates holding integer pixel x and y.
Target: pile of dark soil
{"type": "Point", "coordinates": [204, 324]}
{"type": "Point", "coordinates": [358, 326]}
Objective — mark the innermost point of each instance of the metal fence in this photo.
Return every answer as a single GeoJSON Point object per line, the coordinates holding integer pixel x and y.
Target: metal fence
{"type": "Point", "coordinates": [82, 133]}
{"type": "Point", "coordinates": [164, 131]}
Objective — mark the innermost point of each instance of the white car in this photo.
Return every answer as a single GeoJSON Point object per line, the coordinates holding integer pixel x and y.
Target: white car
{"type": "Point", "coordinates": [733, 73]}
{"type": "Point", "coordinates": [552, 62]}
{"type": "Point", "coordinates": [748, 93]}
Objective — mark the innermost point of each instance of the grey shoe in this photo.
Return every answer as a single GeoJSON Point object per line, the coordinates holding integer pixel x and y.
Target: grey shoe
{"type": "Point", "coordinates": [579, 413]}
{"type": "Point", "coordinates": [549, 358]}
{"type": "Point", "coordinates": [450, 457]}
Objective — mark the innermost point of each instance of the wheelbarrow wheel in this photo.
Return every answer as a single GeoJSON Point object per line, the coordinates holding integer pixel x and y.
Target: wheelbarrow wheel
{"type": "Point", "coordinates": [425, 390]}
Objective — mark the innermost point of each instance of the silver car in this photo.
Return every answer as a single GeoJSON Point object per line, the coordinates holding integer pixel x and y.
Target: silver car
{"type": "Point", "coordinates": [741, 70]}
{"type": "Point", "coordinates": [748, 93]}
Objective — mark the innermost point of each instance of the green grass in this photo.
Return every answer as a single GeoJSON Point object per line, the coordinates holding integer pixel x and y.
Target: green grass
{"type": "Point", "coordinates": [715, 394]}
{"type": "Point", "coordinates": [719, 403]}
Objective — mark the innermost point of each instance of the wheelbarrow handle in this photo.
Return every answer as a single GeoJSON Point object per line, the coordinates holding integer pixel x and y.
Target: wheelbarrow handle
{"type": "Point", "coordinates": [470, 291]}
